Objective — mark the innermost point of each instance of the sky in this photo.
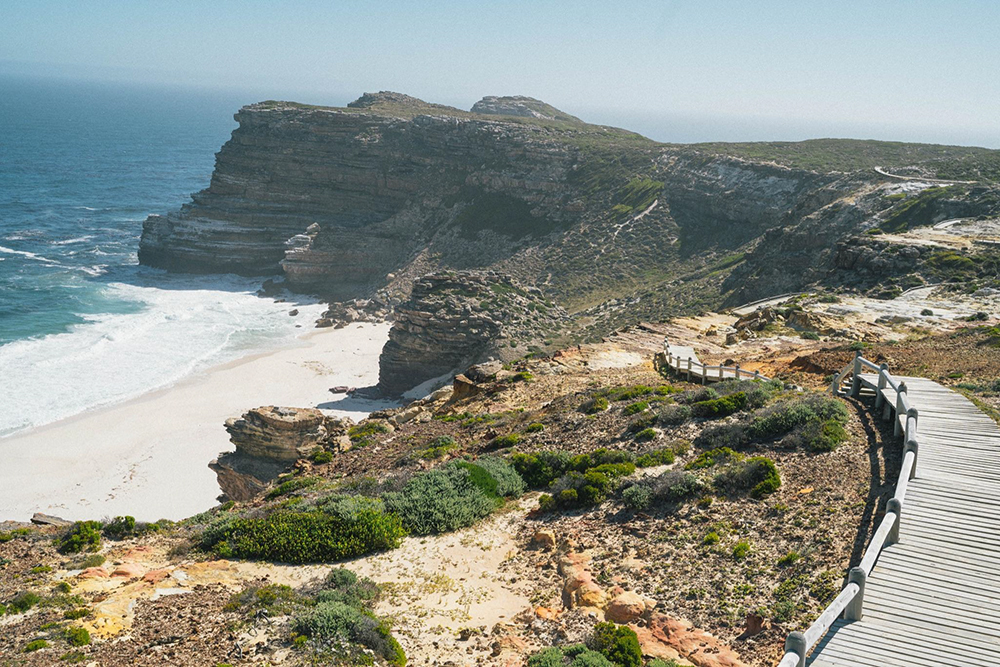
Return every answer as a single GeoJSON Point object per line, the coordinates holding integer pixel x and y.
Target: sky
{"type": "Point", "coordinates": [675, 70]}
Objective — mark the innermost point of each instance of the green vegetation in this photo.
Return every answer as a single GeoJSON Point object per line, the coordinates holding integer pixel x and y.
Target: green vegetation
{"type": "Point", "coordinates": [22, 602]}
{"type": "Point", "coordinates": [361, 435]}
{"type": "Point", "coordinates": [758, 475]}
{"type": "Point", "coordinates": [322, 456]}
{"type": "Point", "coordinates": [35, 645]}
{"type": "Point", "coordinates": [294, 484]}
{"type": "Point", "coordinates": [814, 422]}
{"type": "Point", "coordinates": [77, 636]}
{"type": "Point", "coordinates": [712, 457]}
{"type": "Point", "coordinates": [305, 537]}
{"type": "Point", "coordinates": [438, 447]}
{"type": "Point", "coordinates": [575, 655]}
{"type": "Point", "coordinates": [672, 486]}
{"type": "Point", "coordinates": [635, 408]}
{"type": "Point", "coordinates": [724, 406]}
{"type": "Point", "coordinates": [920, 209]}
{"type": "Point", "coordinates": [541, 468]}
{"type": "Point", "coordinates": [119, 528]}
{"type": "Point", "coordinates": [674, 415]}
{"type": "Point", "coordinates": [535, 427]}
{"type": "Point", "coordinates": [7, 536]}
{"type": "Point", "coordinates": [948, 264]}
{"type": "Point", "coordinates": [522, 376]}
{"type": "Point", "coordinates": [741, 550]}
{"type": "Point", "coordinates": [617, 643]}
{"type": "Point", "coordinates": [505, 441]}
{"type": "Point", "coordinates": [81, 536]}
{"type": "Point", "coordinates": [646, 435]}
{"type": "Point", "coordinates": [594, 405]}
{"type": "Point", "coordinates": [790, 558]}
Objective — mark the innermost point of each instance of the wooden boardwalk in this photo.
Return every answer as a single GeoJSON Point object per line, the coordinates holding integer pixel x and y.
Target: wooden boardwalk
{"type": "Point", "coordinates": [933, 598]}
{"type": "Point", "coordinates": [684, 360]}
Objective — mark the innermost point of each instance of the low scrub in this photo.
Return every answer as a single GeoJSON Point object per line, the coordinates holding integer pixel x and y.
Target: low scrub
{"type": "Point", "coordinates": [540, 469]}
{"type": "Point", "coordinates": [81, 536]}
{"type": "Point", "coordinates": [814, 423]}
{"type": "Point", "coordinates": [305, 537]}
{"type": "Point", "coordinates": [617, 643]}
{"type": "Point", "coordinates": [758, 475]}
{"type": "Point", "coordinates": [673, 486]}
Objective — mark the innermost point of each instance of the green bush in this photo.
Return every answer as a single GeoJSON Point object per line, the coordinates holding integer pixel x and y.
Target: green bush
{"type": "Point", "coordinates": [81, 536]}
{"type": "Point", "coordinates": [35, 645]}
{"type": "Point", "coordinates": [540, 469]}
{"type": "Point", "coordinates": [657, 662]}
{"type": "Point", "coordinates": [322, 456]}
{"type": "Point", "coordinates": [594, 405]}
{"type": "Point", "coordinates": [713, 457]}
{"type": "Point", "coordinates": [77, 636]}
{"type": "Point", "coordinates": [509, 483]}
{"type": "Point", "coordinates": [119, 528]}
{"type": "Point", "coordinates": [523, 376]}
{"type": "Point", "coordinates": [789, 559]}
{"type": "Point", "coordinates": [646, 435]}
{"type": "Point", "coordinates": [927, 312]}
{"type": "Point", "coordinates": [505, 441]}
{"type": "Point", "coordinates": [534, 427]}
{"type": "Point", "coordinates": [674, 415]}
{"type": "Point", "coordinates": [22, 602]}
{"type": "Point", "coordinates": [75, 614]}
{"type": "Point", "coordinates": [720, 407]}
{"type": "Point", "coordinates": [440, 500]}
{"type": "Point", "coordinates": [758, 475]}
{"type": "Point", "coordinates": [362, 434]}
{"type": "Point", "coordinates": [306, 537]}
{"type": "Point", "coordinates": [617, 643]}
{"type": "Point", "coordinates": [294, 484]}
{"type": "Point", "coordinates": [741, 550]}
{"type": "Point", "coordinates": [817, 436]}
{"type": "Point", "coordinates": [810, 335]}
{"type": "Point", "coordinates": [550, 657]}
{"type": "Point", "coordinates": [584, 462]}
{"type": "Point", "coordinates": [710, 538]}
{"type": "Point", "coordinates": [635, 408]}
{"type": "Point", "coordinates": [638, 496]}
{"type": "Point", "coordinates": [656, 457]}
{"type": "Point", "coordinates": [576, 489]}
{"type": "Point", "coordinates": [340, 622]}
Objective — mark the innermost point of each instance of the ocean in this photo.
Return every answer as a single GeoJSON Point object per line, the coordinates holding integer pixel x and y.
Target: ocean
{"type": "Point", "coordinates": [81, 323]}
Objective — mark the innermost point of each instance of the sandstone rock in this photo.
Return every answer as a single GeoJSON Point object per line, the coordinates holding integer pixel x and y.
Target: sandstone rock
{"type": "Point", "coordinates": [547, 613]}
{"type": "Point", "coordinates": [128, 570]}
{"type": "Point", "coordinates": [156, 576]}
{"type": "Point", "coordinates": [663, 634]}
{"type": "Point", "coordinates": [94, 573]}
{"type": "Point", "coordinates": [463, 388]}
{"type": "Point", "coordinates": [626, 608]}
{"type": "Point", "coordinates": [544, 538]}
{"type": "Point", "coordinates": [484, 372]}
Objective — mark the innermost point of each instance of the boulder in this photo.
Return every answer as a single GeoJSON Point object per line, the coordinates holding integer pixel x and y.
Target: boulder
{"type": "Point", "coordinates": [627, 607]}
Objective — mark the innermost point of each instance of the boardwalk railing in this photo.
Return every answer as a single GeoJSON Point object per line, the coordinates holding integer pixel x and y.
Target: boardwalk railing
{"type": "Point", "coordinates": [891, 397]}
{"type": "Point", "coordinates": [686, 364]}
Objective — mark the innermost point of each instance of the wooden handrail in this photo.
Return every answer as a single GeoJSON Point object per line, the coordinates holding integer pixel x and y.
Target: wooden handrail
{"type": "Point", "coordinates": [700, 369]}
{"type": "Point", "coordinates": [850, 602]}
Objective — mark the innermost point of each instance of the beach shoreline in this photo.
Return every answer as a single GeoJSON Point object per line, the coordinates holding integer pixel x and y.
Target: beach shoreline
{"type": "Point", "coordinates": [148, 456]}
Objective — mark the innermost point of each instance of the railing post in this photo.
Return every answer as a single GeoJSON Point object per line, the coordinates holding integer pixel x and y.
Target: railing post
{"type": "Point", "coordinates": [855, 608]}
{"type": "Point", "coordinates": [897, 428]}
{"type": "Point", "coordinates": [894, 506]}
{"type": "Point", "coordinates": [856, 380]}
{"type": "Point", "coordinates": [912, 446]}
{"type": "Point", "coordinates": [882, 377]}
{"type": "Point", "coordinates": [736, 373]}
{"type": "Point", "coordinates": [911, 413]}
{"type": "Point", "coordinates": [720, 372]}
{"type": "Point", "coordinates": [689, 369]}
{"type": "Point", "coordinates": [796, 643]}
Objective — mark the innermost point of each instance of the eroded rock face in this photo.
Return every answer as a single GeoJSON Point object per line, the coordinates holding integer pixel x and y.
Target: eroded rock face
{"type": "Point", "coordinates": [455, 319]}
{"type": "Point", "coordinates": [268, 440]}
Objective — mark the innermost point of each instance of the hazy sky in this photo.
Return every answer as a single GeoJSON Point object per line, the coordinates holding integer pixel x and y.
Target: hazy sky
{"type": "Point", "coordinates": [677, 70]}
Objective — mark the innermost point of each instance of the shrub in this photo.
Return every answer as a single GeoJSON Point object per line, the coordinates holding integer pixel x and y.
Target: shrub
{"type": "Point", "coordinates": [810, 335]}
{"type": "Point", "coordinates": [522, 376]}
{"type": "Point", "coordinates": [505, 441]}
{"type": "Point", "coordinates": [710, 538]}
{"type": "Point", "coordinates": [81, 536]}
{"type": "Point", "coordinates": [757, 474]}
{"type": "Point", "coordinates": [322, 456]}
{"type": "Point", "coordinates": [617, 643]}
{"type": "Point", "coordinates": [646, 434]}
{"type": "Point", "coordinates": [817, 436]}
{"type": "Point", "coordinates": [119, 528]}
{"type": "Point", "coordinates": [534, 427]}
{"type": "Point", "coordinates": [440, 500]}
{"type": "Point", "coordinates": [307, 537]}
{"type": "Point", "coordinates": [713, 457]}
{"type": "Point", "coordinates": [927, 312]}
{"type": "Point", "coordinates": [720, 407]}
{"type": "Point", "coordinates": [509, 484]}
{"type": "Point", "coordinates": [339, 622]}
{"type": "Point", "coordinates": [77, 636]}
{"type": "Point", "coordinates": [789, 559]}
{"type": "Point", "coordinates": [35, 645]}
{"type": "Point", "coordinates": [291, 485]}
{"type": "Point", "coordinates": [75, 614]}
{"type": "Point", "coordinates": [438, 447]}
{"type": "Point", "coordinates": [594, 405]}
{"type": "Point", "coordinates": [75, 657]}
{"type": "Point", "coordinates": [541, 469]}
{"type": "Point", "coordinates": [22, 602]}
{"type": "Point", "coordinates": [550, 657]}
{"type": "Point", "coordinates": [658, 662]}
{"type": "Point", "coordinates": [674, 415]}
{"type": "Point", "coordinates": [638, 496]}
{"type": "Point", "coordinates": [361, 435]}
{"type": "Point", "coordinates": [63, 587]}
{"type": "Point", "coordinates": [584, 462]}
{"type": "Point", "coordinates": [577, 489]}
{"type": "Point", "coordinates": [635, 408]}
{"type": "Point", "coordinates": [656, 457]}
{"type": "Point", "coordinates": [93, 560]}
{"type": "Point", "coordinates": [741, 550]}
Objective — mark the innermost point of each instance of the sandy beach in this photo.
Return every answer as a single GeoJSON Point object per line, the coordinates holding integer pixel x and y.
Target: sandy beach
{"type": "Point", "coordinates": [149, 457]}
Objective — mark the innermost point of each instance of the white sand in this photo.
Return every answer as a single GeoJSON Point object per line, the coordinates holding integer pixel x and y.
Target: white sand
{"type": "Point", "coordinates": [149, 457]}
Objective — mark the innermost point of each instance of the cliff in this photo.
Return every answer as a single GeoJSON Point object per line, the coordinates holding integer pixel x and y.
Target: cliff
{"type": "Point", "coordinates": [347, 202]}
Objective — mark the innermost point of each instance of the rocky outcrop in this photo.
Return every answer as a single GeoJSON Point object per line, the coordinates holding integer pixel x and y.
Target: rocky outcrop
{"type": "Point", "coordinates": [454, 319]}
{"type": "Point", "coordinates": [268, 440]}
{"type": "Point", "coordinates": [519, 105]}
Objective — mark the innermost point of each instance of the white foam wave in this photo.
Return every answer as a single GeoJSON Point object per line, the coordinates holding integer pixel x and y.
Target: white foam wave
{"type": "Point", "coordinates": [110, 358]}
{"type": "Point", "coordinates": [81, 239]}
{"type": "Point", "coordinates": [28, 255]}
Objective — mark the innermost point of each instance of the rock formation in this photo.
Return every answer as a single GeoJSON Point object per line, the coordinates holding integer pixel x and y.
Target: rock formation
{"type": "Point", "coordinates": [268, 440]}
{"type": "Point", "coordinates": [454, 319]}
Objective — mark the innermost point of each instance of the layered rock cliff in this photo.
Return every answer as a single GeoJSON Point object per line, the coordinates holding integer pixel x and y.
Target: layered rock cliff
{"type": "Point", "coordinates": [350, 202]}
{"type": "Point", "coordinates": [455, 319]}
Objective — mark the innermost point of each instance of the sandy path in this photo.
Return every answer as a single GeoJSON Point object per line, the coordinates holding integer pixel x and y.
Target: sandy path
{"type": "Point", "coordinates": [149, 457]}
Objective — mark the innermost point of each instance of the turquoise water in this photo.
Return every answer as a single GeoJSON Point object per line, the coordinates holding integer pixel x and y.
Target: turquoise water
{"type": "Point", "coordinates": [81, 324]}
